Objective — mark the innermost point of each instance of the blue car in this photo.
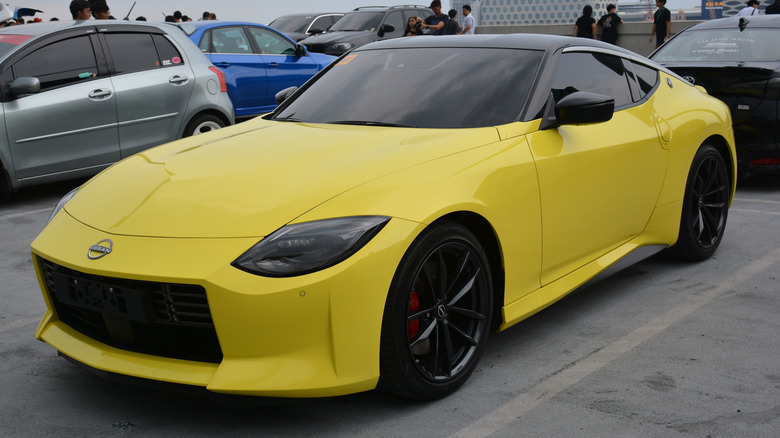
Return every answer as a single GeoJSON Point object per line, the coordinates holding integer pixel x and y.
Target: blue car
{"type": "Point", "coordinates": [258, 61]}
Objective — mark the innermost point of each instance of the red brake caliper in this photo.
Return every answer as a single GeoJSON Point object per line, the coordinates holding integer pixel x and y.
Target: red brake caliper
{"type": "Point", "coordinates": [414, 305]}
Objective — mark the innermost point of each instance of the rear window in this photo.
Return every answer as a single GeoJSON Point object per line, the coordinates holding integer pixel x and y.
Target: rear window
{"type": "Point", "coordinates": [8, 42]}
{"type": "Point", "coordinates": [719, 45]}
{"type": "Point", "coordinates": [442, 88]}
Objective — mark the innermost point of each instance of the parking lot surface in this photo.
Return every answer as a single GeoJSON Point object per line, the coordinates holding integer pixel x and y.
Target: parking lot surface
{"type": "Point", "coordinates": [662, 349]}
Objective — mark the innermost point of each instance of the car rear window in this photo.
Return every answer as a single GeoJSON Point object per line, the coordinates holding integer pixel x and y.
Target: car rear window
{"type": "Point", "coordinates": [442, 88]}
{"type": "Point", "coordinates": [719, 45]}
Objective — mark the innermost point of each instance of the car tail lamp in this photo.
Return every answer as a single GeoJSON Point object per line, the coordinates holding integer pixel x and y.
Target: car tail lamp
{"type": "Point", "coordinates": [222, 81]}
{"type": "Point", "coordinates": [766, 162]}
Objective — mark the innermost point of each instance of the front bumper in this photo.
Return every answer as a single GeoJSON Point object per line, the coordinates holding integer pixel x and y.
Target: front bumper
{"type": "Point", "coordinates": [308, 336]}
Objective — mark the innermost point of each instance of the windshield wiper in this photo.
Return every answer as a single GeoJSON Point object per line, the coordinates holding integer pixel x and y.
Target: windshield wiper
{"type": "Point", "coordinates": [288, 119]}
{"type": "Point", "coordinates": [370, 123]}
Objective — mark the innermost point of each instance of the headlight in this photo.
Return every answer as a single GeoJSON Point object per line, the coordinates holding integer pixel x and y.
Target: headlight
{"type": "Point", "coordinates": [339, 47]}
{"type": "Point", "coordinates": [62, 203]}
{"type": "Point", "coordinates": [310, 246]}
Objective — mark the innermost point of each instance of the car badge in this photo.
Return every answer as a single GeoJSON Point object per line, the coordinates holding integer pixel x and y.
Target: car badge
{"type": "Point", "coordinates": [690, 79]}
{"type": "Point", "coordinates": [100, 249]}
{"type": "Point", "coordinates": [669, 83]}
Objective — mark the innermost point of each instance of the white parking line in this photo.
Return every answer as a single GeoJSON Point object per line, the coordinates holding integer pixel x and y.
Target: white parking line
{"type": "Point", "coordinates": [763, 201]}
{"type": "Point", "coordinates": [28, 213]}
{"type": "Point", "coordinates": [744, 210]}
{"type": "Point", "coordinates": [509, 412]}
{"type": "Point", "coordinates": [20, 323]}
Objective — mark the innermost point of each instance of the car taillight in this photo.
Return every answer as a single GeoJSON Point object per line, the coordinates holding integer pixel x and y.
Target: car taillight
{"type": "Point", "coordinates": [766, 162]}
{"type": "Point", "coordinates": [222, 81]}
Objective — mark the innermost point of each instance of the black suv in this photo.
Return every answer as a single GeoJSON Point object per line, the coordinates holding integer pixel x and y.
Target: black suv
{"type": "Point", "coordinates": [364, 25]}
{"type": "Point", "coordinates": [300, 26]}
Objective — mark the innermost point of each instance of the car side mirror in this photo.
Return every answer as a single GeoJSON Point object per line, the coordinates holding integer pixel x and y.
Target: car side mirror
{"type": "Point", "coordinates": [578, 108]}
{"type": "Point", "coordinates": [25, 85]}
{"type": "Point", "coordinates": [316, 31]}
{"type": "Point", "coordinates": [385, 29]}
{"type": "Point", "coordinates": [300, 50]}
{"type": "Point", "coordinates": [284, 94]}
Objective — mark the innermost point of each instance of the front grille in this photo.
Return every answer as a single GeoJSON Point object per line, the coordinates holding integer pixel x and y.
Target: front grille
{"type": "Point", "coordinates": [161, 319]}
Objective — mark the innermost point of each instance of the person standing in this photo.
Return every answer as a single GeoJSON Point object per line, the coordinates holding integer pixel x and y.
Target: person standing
{"type": "Point", "coordinates": [468, 21]}
{"type": "Point", "coordinates": [609, 24]}
{"type": "Point", "coordinates": [585, 27]}
{"type": "Point", "coordinates": [452, 27]}
{"type": "Point", "coordinates": [751, 9]}
{"type": "Point", "coordinates": [100, 10]}
{"type": "Point", "coordinates": [774, 8]}
{"type": "Point", "coordinates": [662, 23]}
{"type": "Point", "coordinates": [437, 21]}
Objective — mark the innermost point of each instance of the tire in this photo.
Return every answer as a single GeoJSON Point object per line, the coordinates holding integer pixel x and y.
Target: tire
{"type": "Point", "coordinates": [437, 316]}
{"type": "Point", "coordinates": [203, 123]}
{"type": "Point", "coordinates": [705, 207]}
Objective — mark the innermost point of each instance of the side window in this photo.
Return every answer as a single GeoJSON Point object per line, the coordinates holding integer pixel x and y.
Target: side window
{"type": "Point", "coordinates": [230, 40]}
{"type": "Point", "coordinates": [132, 52]}
{"type": "Point", "coordinates": [167, 52]}
{"type": "Point", "coordinates": [646, 77]}
{"type": "Point", "coordinates": [271, 43]}
{"type": "Point", "coordinates": [321, 23]}
{"type": "Point", "coordinates": [205, 42]}
{"type": "Point", "coordinates": [396, 20]}
{"type": "Point", "coordinates": [592, 72]}
{"type": "Point", "coordinates": [60, 63]}
{"type": "Point", "coordinates": [334, 19]}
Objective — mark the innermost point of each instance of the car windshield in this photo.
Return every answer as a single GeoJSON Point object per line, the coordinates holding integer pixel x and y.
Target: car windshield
{"type": "Point", "coordinates": [358, 21]}
{"type": "Point", "coordinates": [420, 87]}
{"type": "Point", "coordinates": [719, 45]}
{"type": "Point", "coordinates": [291, 24]}
{"type": "Point", "coordinates": [8, 42]}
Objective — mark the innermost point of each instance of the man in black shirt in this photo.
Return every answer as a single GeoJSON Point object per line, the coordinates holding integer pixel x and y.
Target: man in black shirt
{"type": "Point", "coordinates": [662, 24]}
{"type": "Point", "coordinates": [609, 25]}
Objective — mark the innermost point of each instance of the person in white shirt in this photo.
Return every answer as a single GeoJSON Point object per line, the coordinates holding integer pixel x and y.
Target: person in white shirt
{"type": "Point", "coordinates": [751, 9]}
{"type": "Point", "coordinates": [468, 21]}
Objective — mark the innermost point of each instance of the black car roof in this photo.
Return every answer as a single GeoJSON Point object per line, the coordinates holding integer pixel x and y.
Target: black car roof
{"type": "Point", "coordinates": [509, 41]}
{"type": "Point", "coordinates": [733, 22]}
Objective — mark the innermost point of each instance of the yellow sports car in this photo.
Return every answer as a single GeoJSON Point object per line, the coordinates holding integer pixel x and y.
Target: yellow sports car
{"type": "Point", "coordinates": [413, 197]}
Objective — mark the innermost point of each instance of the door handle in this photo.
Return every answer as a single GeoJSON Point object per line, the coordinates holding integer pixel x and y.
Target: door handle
{"type": "Point", "coordinates": [178, 80]}
{"type": "Point", "coordinates": [222, 64]}
{"type": "Point", "coordinates": [100, 94]}
{"type": "Point", "coordinates": [273, 65]}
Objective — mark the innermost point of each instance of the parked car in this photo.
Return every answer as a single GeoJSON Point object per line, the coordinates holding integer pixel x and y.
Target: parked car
{"type": "Point", "coordinates": [78, 97]}
{"type": "Point", "coordinates": [377, 226]}
{"type": "Point", "coordinates": [300, 26]}
{"type": "Point", "coordinates": [364, 25]}
{"type": "Point", "coordinates": [736, 60]}
{"type": "Point", "coordinates": [258, 61]}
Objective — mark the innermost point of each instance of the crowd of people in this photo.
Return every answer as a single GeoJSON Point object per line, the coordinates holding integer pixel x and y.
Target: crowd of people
{"type": "Point", "coordinates": [440, 23]}
{"type": "Point", "coordinates": [98, 9]}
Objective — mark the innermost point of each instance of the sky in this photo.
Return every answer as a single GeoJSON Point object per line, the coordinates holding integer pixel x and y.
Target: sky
{"type": "Point", "coordinates": [258, 11]}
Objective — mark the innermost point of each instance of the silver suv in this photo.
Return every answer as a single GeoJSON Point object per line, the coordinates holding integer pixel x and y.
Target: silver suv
{"type": "Point", "coordinates": [79, 96]}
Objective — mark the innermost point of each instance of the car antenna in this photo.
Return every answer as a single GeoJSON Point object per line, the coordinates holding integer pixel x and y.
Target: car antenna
{"type": "Point", "coordinates": [127, 17]}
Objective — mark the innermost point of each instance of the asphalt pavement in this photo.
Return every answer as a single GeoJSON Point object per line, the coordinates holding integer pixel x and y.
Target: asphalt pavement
{"type": "Point", "coordinates": [662, 349]}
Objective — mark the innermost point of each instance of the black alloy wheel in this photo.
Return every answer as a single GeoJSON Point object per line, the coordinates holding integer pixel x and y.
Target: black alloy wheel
{"type": "Point", "coordinates": [705, 208]}
{"type": "Point", "coordinates": [437, 315]}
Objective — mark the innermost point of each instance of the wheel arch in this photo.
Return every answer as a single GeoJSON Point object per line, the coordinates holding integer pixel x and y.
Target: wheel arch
{"type": "Point", "coordinates": [722, 146]}
{"type": "Point", "coordinates": [209, 111]}
{"type": "Point", "coordinates": [486, 235]}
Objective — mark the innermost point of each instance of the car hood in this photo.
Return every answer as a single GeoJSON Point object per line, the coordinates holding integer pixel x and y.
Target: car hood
{"type": "Point", "coordinates": [253, 178]}
{"type": "Point", "coordinates": [355, 37]}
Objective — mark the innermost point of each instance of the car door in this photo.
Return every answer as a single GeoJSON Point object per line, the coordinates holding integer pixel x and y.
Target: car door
{"type": "Point", "coordinates": [71, 124]}
{"type": "Point", "coordinates": [284, 68]}
{"type": "Point", "coordinates": [153, 84]}
{"type": "Point", "coordinates": [245, 71]}
{"type": "Point", "coordinates": [599, 183]}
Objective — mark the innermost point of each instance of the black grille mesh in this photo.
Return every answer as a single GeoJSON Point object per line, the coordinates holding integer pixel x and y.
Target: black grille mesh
{"type": "Point", "coordinates": [175, 320]}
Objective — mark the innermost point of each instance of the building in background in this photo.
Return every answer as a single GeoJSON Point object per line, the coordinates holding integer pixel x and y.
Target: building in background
{"type": "Point", "coordinates": [514, 12]}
